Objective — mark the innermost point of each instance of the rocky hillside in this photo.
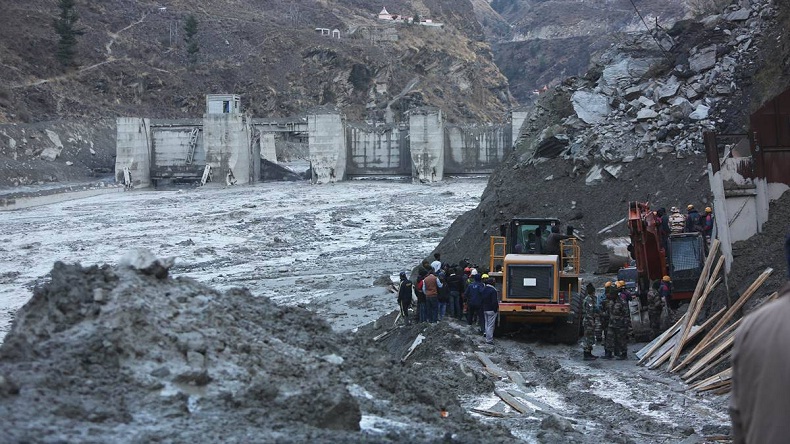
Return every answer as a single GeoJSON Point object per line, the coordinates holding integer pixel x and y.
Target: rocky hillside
{"type": "Point", "coordinates": [132, 60]}
{"type": "Point", "coordinates": [631, 128]}
{"type": "Point", "coordinates": [548, 41]}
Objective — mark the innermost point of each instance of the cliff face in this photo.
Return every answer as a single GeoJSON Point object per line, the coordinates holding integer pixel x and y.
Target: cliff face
{"type": "Point", "coordinates": [132, 60]}
{"type": "Point", "coordinates": [631, 128]}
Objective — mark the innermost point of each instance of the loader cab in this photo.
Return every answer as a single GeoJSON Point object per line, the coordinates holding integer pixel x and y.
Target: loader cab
{"type": "Point", "coordinates": [527, 235]}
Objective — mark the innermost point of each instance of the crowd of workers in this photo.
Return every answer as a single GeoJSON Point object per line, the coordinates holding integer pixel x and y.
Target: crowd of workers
{"type": "Point", "coordinates": [456, 291]}
{"type": "Point", "coordinates": [692, 222]}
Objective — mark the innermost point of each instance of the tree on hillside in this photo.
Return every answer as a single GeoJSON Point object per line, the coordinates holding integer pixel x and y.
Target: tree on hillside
{"type": "Point", "coordinates": [65, 28]}
{"type": "Point", "coordinates": [190, 32]}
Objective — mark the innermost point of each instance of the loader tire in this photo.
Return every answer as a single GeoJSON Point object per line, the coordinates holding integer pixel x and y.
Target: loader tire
{"type": "Point", "coordinates": [570, 332]}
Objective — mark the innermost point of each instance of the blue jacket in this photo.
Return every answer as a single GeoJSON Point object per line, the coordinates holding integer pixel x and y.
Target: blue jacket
{"type": "Point", "coordinates": [474, 293]}
{"type": "Point", "coordinates": [490, 299]}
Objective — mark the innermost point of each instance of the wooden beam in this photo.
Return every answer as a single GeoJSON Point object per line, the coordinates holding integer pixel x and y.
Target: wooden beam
{"type": "Point", "coordinates": [512, 401]}
{"type": "Point", "coordinates": [691, 378]}
{"type": "Point", "coordinates": [662, 339]}
{"type": "Point", "coordinates": [698, 351]}
{"type": "Point", "coordinates": [417, 341]}
{"type": "Point", "coordinates": [518, 379]}
{"type": "Point", "coordinates": [724, 375]}
{"type": "Point", "coordinates": [489, 413]}
{"type": "Point", "coordinates": [703, 278]}
{"type": "Point", "coordinates": [713, 354]}
{"type": "Point", "coordinates": [738, 304]}
{"type": "Point", "coordinates": [490, 367]}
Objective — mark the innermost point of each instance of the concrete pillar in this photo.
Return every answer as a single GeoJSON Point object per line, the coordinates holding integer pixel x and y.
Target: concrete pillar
{"type": "Point", "coordinates": [268, 147]}
{"type": "Point", "coordinates": [226, 138]}
{"type": "Point", "coordinates": [720, 216]}
{"type": "Point", "coordinates": [327, 146]}
{"type": "Point", "coordinates": [133, 150]}
{"type": "Point", "coordinates": [426, 142]}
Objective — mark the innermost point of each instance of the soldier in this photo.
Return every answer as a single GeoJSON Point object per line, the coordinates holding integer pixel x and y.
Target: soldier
{"type": "Point", "coordinates": [655, 305]}
{"type": "Point", "coordinates": [606, 320]}
{"type": "Point", "coordinates": [589, 323]}
{"type": "Point", "coordinates": [618, 328]}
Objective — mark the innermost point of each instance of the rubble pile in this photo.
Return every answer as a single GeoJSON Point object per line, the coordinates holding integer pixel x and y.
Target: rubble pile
{"type": "Point", "coordinates": [652, 94]}
{"type": "Point", "coordinates": [105, 354]}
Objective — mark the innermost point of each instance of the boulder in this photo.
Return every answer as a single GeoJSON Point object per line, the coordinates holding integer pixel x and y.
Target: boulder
{"type": "Point", "coordinates": [680, 106]}
{"type": "Point", "coordinates": [632, 93]}
{"type": "Point", "coordinates": [704, 59]}
{"type": "Point", "coordinates": [590, 107]}
{"type": "Point", "coordinates": [52, 152]}
{"type": "Point", "coordinates": [625, 71]}
{"type": "Point", "coordinates": [594, 176]}
{"type": "Point", "coordinates": [739, 15]}
{"type": "Point", "coordinates": [614, 170]}
{"type": "Point", "coordinates": [667, 90]}
{"type": "Point", "coordinates": [646, 114]}
{"type": "Point", "coordinates": [700, 113]}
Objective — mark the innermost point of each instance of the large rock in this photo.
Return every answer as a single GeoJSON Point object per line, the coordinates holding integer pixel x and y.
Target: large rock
{"type": "Point", "coordinates": [590, 107]}
{"type": "Point", "coordinates": [739, 15]}
{"type": "Point", "coordinates": [700, 113]}
{"type": "Point", "coordinates": [594, 176]}
{"type": "Point", "coordinates": [667, 90]}
{"type": "Point", "coordinates": [646, 114]}
{"type": "Point", "coordinates": [680, 107]}
{"type": "Point", "coordinates": [625, 71]}
{"type": "Point", "coordinates": [704, 59]}
{"type": "Point", "coordinates": [52, 152]}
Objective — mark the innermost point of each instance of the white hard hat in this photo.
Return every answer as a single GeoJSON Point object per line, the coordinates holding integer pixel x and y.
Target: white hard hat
{"type": "Point", "coordinates": [473, 272]}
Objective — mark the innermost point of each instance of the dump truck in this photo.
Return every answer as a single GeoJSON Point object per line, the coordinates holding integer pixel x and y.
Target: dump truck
{"type": "Point", "coordinates": [681, 256]}
{"type": "Point", "coordinates": [538, 290]}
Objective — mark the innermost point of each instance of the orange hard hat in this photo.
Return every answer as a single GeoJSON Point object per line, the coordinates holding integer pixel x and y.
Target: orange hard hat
{"type": "Point", "coordinates": [607, 284]}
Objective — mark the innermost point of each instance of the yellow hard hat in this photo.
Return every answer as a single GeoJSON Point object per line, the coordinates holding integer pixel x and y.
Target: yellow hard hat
{"type": "Point", "coordinates": [690, 207]}
{"type": "Point", "coordinates": [708, 210]}
{"type": "Point", "coordinates": [665, 279]}
{"type": "Point", "coordinates": [620, 284]}
{"type": "Point", "coordinates": [484, 276]}
{"type": "Point", "coordinates": [607, 284]}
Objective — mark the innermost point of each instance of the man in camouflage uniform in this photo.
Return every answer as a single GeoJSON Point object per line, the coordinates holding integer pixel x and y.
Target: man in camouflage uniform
{"type": "Point", "coordinates": [589, 309]}
{"type": "Point", "coordinates": [601, 315]}
{"type": "Point", "coordinates": [606, 309]}
{"type": "Point", "coordinates": [655, 305]}
{"type": "Point", "coordinates": [616, 335]}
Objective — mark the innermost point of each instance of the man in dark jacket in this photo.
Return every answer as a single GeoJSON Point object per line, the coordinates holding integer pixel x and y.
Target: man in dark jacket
{"type": "Point", "coordinates": [455, 284]}
{"type": "Point", "coordinates": [692, 219]}
{"type": "Point", "coordinates": [760, 396]}
{"type": "Point", "coordinates": [405, 294]}
{"type": "Point", "coordinates": [474, 298]}
{"type": "Point", "coordinates": [490, 308]}
{"type": "Point", "coordinates": [553, 241]}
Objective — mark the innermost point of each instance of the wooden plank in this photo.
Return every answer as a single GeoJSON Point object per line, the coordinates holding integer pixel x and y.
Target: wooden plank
{"type": "Point", "coordinates": [512, 401]}
{"type": "Point", "coordinates": [737, 305]}
{"type": "Point", "coordinates": [542, 406]}
{"type": "Point", "coordinates": [724, 375]}
{"type": "Point", "coordinates": [383, 335]}
{"type": "Point", "coordinates": [693, 377]}
{"type": "Point", "coordinates": [713, 354]}
{"type": "Point", "coordinates": [417, 341]}
{"type": "Point", "coordinates": [490, 367]}
{"type": "Point", "coordinates": [664, 337]}
{"type": "Point", "coordinates": [699, 350]}
{"type": "Point", "coordinates": [519, 380]}
{"type": "Point", "coordinates": [703, 278]}
{"type": "Point", "coordinates": [489, 413]}
{"type": "Point", "coordinates": [666, 348]}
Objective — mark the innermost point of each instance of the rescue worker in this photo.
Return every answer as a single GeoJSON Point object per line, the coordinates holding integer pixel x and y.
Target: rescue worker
{"type": "Point", "coordinates": [707, 226]}
{"type": "Point", "coordinates": [490, 307]}
{"type": "Point", "coordinates": [422, 307]}
{"type": "Point", "coordinates": [677, 222]}
{"type": "Point", "coordinates": [455, 284]}
{"type": "Point", "coordinates": [609, 345]}
{"type": "Point", "coordinates": [474, 295]}
{"type": "Point", "coordinates": [603, 315]}
{"type": "Point", "coordinates": [405, 294]}
{"type": "Point", "coordinates": [553, 241]}
{"type": "Point", "coordinates": [599, 314]}
{"type": "Point", "coordinates": [588, 321]}
{"type": "Point", "coordinates": [619, 320]}
{"type": "Point", "coordinates": [655, 306]}
{"type": "Point", "coordinates": [692, 220]}
{"type": "Point", "coordinates": [665, 289]}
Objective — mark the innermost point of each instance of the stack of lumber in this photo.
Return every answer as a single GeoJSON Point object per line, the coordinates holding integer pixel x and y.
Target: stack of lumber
{"type": "Point", "coordinates": [715, 336]}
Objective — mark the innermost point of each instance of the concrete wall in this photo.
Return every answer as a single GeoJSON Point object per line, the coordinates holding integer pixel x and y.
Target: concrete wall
{"type": "Point", "coordinates": [517, 119]}
{"type": "Point", "coordinates": [227, 141]}
{"type": "Point", "coordinates": [133, 150]}
{"type": "Point", "coordinates": [426, 140]}
{"type": "Point", "coordinates": [171, 147]}
{"type": "Point", "coordinates": [327, 143]}
{"type": "Point", "coordinates": [475, 149]}
{"type": "Point", "coordinates": [377, 150]}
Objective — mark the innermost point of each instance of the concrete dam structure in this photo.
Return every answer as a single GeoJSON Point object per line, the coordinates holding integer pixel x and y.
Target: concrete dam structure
{"type": "Point", "coordinates": [230, 147]}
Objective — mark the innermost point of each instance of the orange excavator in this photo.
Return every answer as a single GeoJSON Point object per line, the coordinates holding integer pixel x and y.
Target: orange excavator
{"type": "Point", "coordinates": [681, 256]}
